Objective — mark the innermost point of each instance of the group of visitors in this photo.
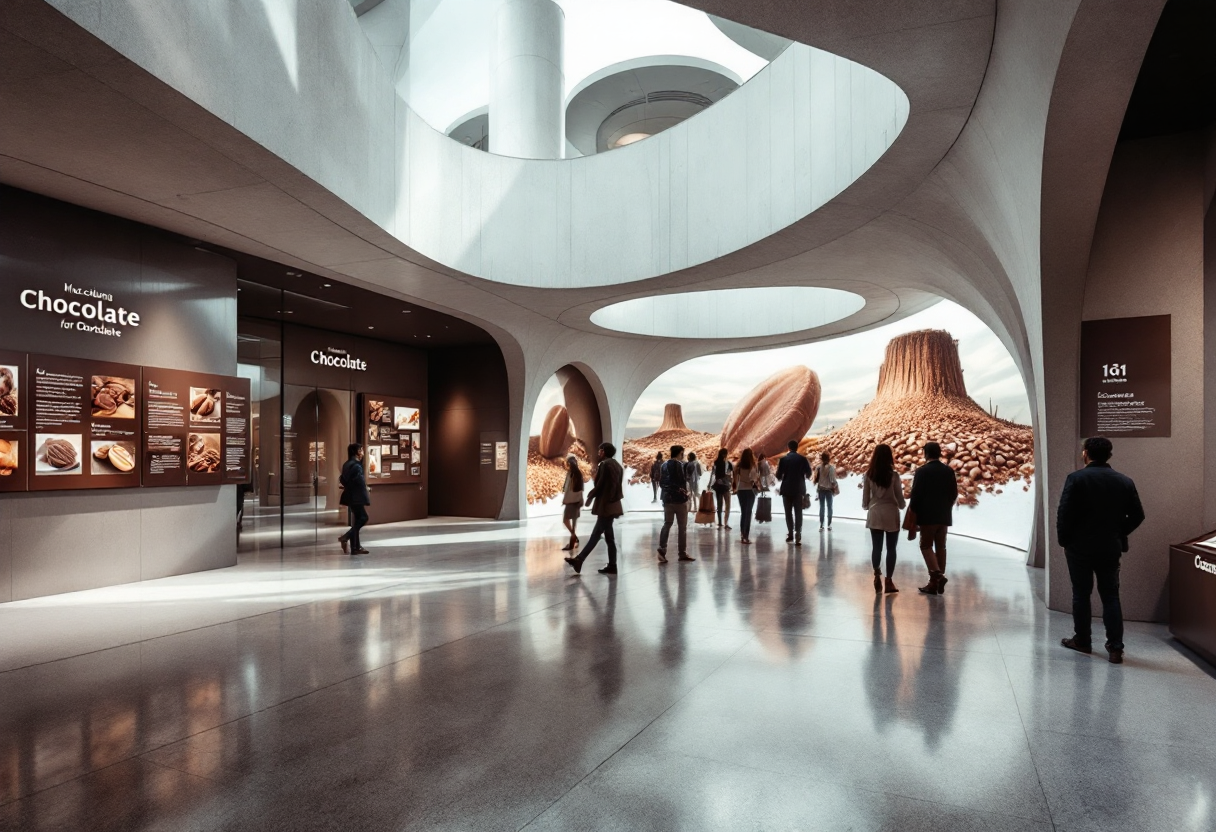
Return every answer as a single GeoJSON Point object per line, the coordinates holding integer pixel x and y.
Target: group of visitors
{"type": "Point", "coordinates": [1099, 508]}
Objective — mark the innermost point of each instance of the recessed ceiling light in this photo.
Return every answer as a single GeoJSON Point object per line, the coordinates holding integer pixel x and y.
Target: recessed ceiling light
{"type": "Point", "coordinates": [371, 327]}
{"type": "Point", "coordinates": [405, 311]}
{"type": "Point", "coordinates": [428, 336]}
{"type": "Point", "coordinates": [326, 285]}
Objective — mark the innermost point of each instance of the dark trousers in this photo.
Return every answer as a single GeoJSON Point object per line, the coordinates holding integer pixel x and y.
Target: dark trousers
{"type": "Point", "coordinates": [876, 537]}
{"type": "Point", "coordinates": [722, 501]}
{"type": "Point", "coordinates": [793, 513]}
{"type": "Point", "coordinates": [358, 519]}
{"type": "Point", "coordinates": [933, 537]}
{"type": "Point", "coordinates": [674, 513]}
{"type": "Point", "coordinates": [1082, 569]}
{"type": "Point", "coordinates": [603, 528]}
{"type": "Point", "coordinates": [747, 499]}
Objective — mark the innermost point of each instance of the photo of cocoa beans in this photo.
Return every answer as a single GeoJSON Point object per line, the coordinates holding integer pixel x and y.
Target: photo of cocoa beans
{"type": "Point", "coordinates": [546, 476]}
{"type": "Point", "coordinates": [113, 398]}
{"type": "Point", "coordinates": [8, 457]}
{"type": "Point", "coordinates": [203, 453]}
{"type": "Point", "coordinates": [9, 377]}
{"type": "Point", "coordinates": [111, 457]}
{"type": "Point", "coordinates": [375, 411]}
{"type": "Point", "coordinates": [58, 454]}
{"type": "Point", "coordinates": [204, 405]}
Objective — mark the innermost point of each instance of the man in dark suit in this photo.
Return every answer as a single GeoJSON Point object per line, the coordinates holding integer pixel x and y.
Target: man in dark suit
{"type": "Point", "coordinates": [793, 471]}
{"type": "Point", "coordinates": [934, 494]}
{"type": "Point", "coordinates": [605, 500]}
{"type": "Point", "coordinates": [1099, 508]}
{"type": "Point", "coordinates": [355, 496]}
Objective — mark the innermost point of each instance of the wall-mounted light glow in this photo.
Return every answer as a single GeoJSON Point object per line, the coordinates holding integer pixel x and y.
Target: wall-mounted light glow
{"type": "Point", "coordinates": [630, 138]}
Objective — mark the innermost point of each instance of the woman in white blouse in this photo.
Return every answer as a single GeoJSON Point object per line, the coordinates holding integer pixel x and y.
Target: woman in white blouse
{"type": "Point", "coordinates": [882, 496]}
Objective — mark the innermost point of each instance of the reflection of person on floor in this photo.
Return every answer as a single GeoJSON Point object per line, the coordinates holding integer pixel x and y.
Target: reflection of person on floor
{"type": "Point", "coordinates": [675, 510]}
{"type": "Point", "coordinates": [572, 500]}
{"type": "Point", "coordinates": [655, 468]}
{"type": "Point", "coordinates": [934, 493]}
{"type": "Point", "coordinates": [672, 641]}
{"type": "Point", "coordinates": [1099, 508]}
{"type": "Point", "coordinates": [605, 501]}
{"type": "Point", "coordinates": [793, 471]}
{"type": "Point", "coordinates": [882, 497]}
{"type": "Point", "coordinates": [355, 496]}
{"type": "Point", "coordinates": [607, 655]}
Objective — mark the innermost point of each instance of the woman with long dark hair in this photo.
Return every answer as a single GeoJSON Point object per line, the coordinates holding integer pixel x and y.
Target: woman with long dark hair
{"type": "Point", "coordinates": [572, 500]}
{"type": "Point", "coordinates": [746, 484]}
{"type": "Point", "coordinates": [882, 496]}
{"type": "Point", "coordinates": [720, 483]}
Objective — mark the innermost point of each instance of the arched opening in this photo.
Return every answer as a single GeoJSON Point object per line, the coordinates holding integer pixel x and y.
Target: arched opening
{"type": "Point", "coordinates": [939, 375]}
{"type": "Point", "coordinates": [565, 421]}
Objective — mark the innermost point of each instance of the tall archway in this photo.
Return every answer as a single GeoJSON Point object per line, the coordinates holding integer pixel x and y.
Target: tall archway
{"type": "Point", "coordinates": [566, 420]}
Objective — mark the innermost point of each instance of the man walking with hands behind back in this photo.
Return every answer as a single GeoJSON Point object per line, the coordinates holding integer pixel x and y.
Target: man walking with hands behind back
{"type": "Point", "coordinates": [793, 470]}
{"type": "Point", "coordinates": [934, 493]}
{"type": "Point", "coordinates": [1099, 508]}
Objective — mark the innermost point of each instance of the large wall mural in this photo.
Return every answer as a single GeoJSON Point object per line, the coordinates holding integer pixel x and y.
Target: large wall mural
{"type": "Point", "coordinates": [937, 375]}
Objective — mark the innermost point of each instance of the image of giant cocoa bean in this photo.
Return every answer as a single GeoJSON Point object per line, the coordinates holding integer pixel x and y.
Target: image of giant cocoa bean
{"type": "Point", "coordinates": [780, 408]}
{"type": "Point", "coordinates": [556, 434]}
{"type": "Point", "coordinates": [60, 453]}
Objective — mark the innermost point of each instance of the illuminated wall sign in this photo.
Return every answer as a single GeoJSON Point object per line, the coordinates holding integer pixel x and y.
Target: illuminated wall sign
{"type": "Point", "coordinates": [1125, 377]}
{"type": "Point", "coordinates": [87, 309]}
{"type": "Point", "coordinates": [334, 357]}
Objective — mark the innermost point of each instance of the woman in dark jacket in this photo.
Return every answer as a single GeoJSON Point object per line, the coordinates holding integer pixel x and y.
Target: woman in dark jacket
{"type": "Point", "coordinates": [355, 496]}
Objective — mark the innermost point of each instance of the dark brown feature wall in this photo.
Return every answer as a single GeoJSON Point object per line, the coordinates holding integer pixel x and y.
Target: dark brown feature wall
{"type": "Point", "coordinates": [468, 405]}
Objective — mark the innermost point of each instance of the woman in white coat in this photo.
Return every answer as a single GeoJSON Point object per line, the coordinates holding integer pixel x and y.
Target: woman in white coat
{"type": "Point", "coordinates": [882, 496]}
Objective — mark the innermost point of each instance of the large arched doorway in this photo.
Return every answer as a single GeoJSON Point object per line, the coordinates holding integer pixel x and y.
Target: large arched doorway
{"type": "Point", "coordinates": [565, 421]}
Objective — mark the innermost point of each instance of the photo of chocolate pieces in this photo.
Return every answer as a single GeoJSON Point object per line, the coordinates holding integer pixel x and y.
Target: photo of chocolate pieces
{"type": "Point", "coordinates": [203, 453]}
{"type": "Point", "coordinates": [112, 457]}
{"type": "Point", "coordinates": [58, 453]}
{"type": "Point", "coordinates": [204, 405]}
{"type": "Point", "coordinates": [375, 411]}
{"type": "Point", "coordinates": [8, 457]}
{"type": "Point", "coordinates": [113, 398]}
{"type": "Point", "coordinates": [8, 390]}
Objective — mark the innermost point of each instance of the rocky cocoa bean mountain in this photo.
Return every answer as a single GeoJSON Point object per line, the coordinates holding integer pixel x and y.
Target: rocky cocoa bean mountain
{"type": "Point", "coordinates": [921, 397]}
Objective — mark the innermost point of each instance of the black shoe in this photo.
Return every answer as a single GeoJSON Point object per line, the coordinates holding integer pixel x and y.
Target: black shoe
{"type": "Point", "coordinates": [342, 540]}
{"type": "Point", "coordinates": [798, 540]}
{"type": "Point", "coordinates": [1115, 656]}
{"type": "Point", "coordinates": [576, 563]}
{"type": "Point", "coordinates": [662, 556]}
{"type": "Point", "coordinates": [684, 558]}
{"type": "Point", "coordinates": [1073, 644]}
{"type": "Point", "coordinates": [789, 538]}
{"type": "Point", "coordinates": [360, 551]}
{"type": "Point", "coordinates": [608, 570]}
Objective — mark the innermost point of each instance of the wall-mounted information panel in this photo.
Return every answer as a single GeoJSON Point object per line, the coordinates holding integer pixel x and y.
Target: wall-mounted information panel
{"type": "Point", "coordinates": [72, 423]}
{"type": "Point", "coordinates": [391, 431]}
{"type": "Point", "coordinates": [1125, 377]}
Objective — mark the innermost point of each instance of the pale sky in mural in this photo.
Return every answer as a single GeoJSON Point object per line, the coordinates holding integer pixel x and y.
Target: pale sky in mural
{"type": "Point", "coordinates": [708, 387]}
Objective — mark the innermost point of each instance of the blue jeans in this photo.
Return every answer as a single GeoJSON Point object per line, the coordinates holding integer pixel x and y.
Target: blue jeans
{"type": "Point", "coordinates": [825, 501]}
{"type": "Point", "coordinates": [747, 499]}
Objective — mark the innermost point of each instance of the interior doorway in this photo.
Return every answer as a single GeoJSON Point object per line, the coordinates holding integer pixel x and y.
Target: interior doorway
{"type": "Point", "coordinates": [318, 423]}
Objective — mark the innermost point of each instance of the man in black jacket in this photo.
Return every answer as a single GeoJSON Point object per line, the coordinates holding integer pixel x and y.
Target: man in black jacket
{"type": "Point", "coordinates": [1099, 508]}
{"type": "Point", "coordinates": [606, 501]}
{"type": "Point", "coordinates": [934, 494]}
{"type": "Point", "coordinates": [793, 470]}
{"type": "Point", "coordinates": [675, 503]}
{"type": "Point", "coordinates": [355, 496]}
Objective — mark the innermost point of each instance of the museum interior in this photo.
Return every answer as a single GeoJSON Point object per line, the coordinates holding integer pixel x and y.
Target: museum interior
{"type": "Point", "coordinates": [534, 288]}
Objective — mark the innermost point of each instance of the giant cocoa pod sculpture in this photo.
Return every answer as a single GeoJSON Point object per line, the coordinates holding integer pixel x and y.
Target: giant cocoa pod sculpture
{"type": "Point", "coordinates": [556, 434]}
{"type": "Point", "coordinates": [780, 408]}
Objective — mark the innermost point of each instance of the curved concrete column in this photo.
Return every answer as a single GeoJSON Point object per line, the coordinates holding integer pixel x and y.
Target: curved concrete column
{"type": "Point", "coordinates": [526, 80]}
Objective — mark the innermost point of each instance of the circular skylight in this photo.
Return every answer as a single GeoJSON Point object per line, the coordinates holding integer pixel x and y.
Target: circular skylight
{"type": "Point", "coordinates": [730, 313]}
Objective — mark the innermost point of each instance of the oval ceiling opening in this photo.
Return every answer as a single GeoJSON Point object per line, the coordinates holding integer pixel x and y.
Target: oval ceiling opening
{"type": "Point", "coordinates": [730, 313]}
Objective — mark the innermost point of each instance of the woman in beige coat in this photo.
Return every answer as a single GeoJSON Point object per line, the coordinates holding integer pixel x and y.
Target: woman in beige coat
{"type": "Point", "coordinates": [882, 496]}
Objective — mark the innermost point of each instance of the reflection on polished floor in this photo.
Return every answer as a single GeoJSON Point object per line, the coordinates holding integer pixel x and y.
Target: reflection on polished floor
{"type": "Point", "coordinates": [461, 678]}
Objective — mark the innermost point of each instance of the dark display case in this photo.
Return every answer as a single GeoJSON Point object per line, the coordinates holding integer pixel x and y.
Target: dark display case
{"type": "Point", "coordinates": [1193, 594]}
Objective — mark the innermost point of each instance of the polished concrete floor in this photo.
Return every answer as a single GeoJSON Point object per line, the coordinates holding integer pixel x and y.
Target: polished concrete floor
{"type": "Point", "coordinates": [461, 678]}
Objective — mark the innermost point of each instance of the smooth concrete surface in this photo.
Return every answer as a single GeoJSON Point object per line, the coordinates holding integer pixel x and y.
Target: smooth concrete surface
{"type": "Point", "coordinates": [526, 80]}
{"type": "Point", "coordinates": [460, 677]}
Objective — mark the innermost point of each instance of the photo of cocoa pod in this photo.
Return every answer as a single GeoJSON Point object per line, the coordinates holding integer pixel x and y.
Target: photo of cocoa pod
{"type": "Point", "coordinates": [204, 405]}
{"type": "Point", "coordinates": [113, 398]}
{"type": "Point", "coordinates": [111, 457]}
{"type": "Point", "coordinates": [58, 454]}
{"type": "Point", "coordinates": [8, 390]}
{"type": "Point", "coordinates": [203, 453]}
{"type": "Point", "coordinates": [8, 457]}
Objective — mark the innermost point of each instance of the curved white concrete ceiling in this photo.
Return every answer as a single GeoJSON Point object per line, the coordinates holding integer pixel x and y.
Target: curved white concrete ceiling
{"type": "Point", "coordinates": [449, 48]}
{"type": "Point", "coordinates": [736, 173]}
{"type": "Point", "coordinates": [730, 313]}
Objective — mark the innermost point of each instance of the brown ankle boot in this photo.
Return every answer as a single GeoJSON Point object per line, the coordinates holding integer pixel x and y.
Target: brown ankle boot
{"type": "Point", "coordinates": [889, 586]}
{"type": "Point", "coordinates": [931, 587]}
{"type": "Point", "coordinates": [878, 582]}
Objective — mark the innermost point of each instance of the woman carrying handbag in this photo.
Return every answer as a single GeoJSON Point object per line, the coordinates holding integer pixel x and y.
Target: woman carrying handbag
{"type": "Point", "coordinates": [826, 487]}
{"type": "Point", "coordinates": [572, 500]}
